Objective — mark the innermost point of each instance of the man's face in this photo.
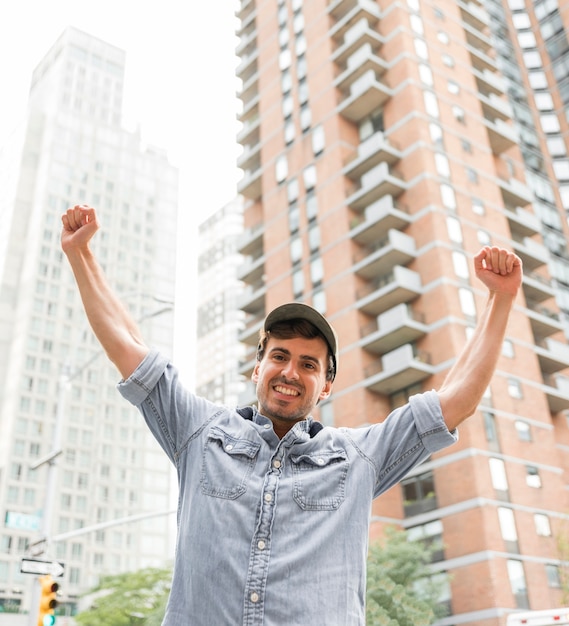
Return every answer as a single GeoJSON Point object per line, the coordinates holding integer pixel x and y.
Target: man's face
{"type": "Point", "coordinates": [291, 379]}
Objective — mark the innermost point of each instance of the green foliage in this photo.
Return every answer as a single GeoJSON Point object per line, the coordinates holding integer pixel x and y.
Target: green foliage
{"type": "Point", "coordinates": [398, 589]}
{"type": "Point", "coordinates": [129, 598]}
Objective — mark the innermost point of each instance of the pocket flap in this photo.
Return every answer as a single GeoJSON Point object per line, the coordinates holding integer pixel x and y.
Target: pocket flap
{"type": "Point", "coordinates": [233, 445]}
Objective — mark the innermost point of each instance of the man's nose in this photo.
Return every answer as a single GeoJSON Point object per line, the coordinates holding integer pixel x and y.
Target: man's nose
{"type": "Point", "coordinates": [290, 370]}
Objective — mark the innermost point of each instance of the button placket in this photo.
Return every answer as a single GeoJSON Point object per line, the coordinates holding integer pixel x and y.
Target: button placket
{"type": "Point", "coordinates": [260, 548]}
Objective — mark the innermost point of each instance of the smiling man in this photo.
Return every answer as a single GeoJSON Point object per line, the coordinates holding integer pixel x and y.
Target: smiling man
{"type": "Point", "coordinates": [273, 508]}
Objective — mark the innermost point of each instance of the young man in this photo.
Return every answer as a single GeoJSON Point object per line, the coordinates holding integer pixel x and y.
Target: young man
{"type": "Point", "coordinates": [273, 509]}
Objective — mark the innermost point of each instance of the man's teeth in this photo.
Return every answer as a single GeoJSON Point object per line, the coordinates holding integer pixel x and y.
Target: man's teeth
{"type": "Point", "coordinates": [286, 391]}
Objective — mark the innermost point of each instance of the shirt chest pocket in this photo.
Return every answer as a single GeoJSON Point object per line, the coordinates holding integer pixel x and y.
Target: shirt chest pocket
{"type": "Point", "coordinates": [227, 464]}
{"type": "Point", "coordinates": [319, 479]}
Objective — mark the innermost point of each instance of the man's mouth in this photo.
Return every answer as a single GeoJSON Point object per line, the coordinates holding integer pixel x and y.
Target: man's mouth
{"type": "Point", "coordinates": [287, 391]}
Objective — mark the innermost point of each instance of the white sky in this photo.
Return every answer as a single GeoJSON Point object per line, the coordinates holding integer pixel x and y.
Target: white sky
{"type": "Point", "coordinates": [180, 82]}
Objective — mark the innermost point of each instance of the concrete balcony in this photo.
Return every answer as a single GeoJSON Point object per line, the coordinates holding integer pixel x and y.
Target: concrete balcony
{"type": "Point", "coordinates": [250, 156]}
{"type": "Point", "coordinates": [489, 82]}
{"type": "Point", "coordinates": [250, 129]}
{"type": "Point", "coordinates": [379, 217]}
{"type": "Point", "coordinates": [532, 253]}
{"type": "Point", "coordinates": [477, 39]}
{"type": "Point", "coordinates": [494, 107]}
{"type": "Point", "coordinates": [245, 11]}
{"type": "Point", "coordinates": [362, 61]}
{"type": "Point", "coordinates": [252, 270]}
{"type": "Point", "coordinates": [400, 368]}
{"type": "Point", "coordinates": [473, 15]}
{"type": "Point", "coordinates": [399, 286]}
{"type": "Point", "coordinates": [544, 321]}
{"type": "Point", "coordinates": [556, 389]}
{"type": "Point", "coordinates": [514, 192]}
{"type": "Point", "coordinates": [371, 152]}
{"type": "Point", "coordinates": [481, 60]}
{"type": "Point", "coordinates": [374, 184]}
{"type": "Point", "coordinates": [523, 223]}
{"type": "Point", "coordinates": [252, 298]}
{"type": "Point", "coordinates": [365, 95]}
{"type": "Point", "coordinates": [502, 136]}
{"type": "Point", "coordinates": [247, 40]}
{"type": "Point", "coordinates": [248, 66]}
{"type": "Point", "coordinates": [250, 333]}
{"type": "Point", "coordinates": [553, 355]}
{"type": "Point", "coordinates": [250, 242]}
{"type": "Point", "coordinates": [537, 288]}
{"type": "Point", "coordinates": [250, 185]}
{"type": "Point", "coordinates": [392, 329]}
{"type": "Point", "coordinates": [380, 259]}
{"type": "Point", "coordinates": [249, 95]}
{"type": "Point", "coordinates": [361, 33]}
{"type": "Point", "coordinates": [347, 12]}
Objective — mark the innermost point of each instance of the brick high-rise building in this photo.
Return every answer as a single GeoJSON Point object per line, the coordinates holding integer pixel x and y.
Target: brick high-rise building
{"type": "Point", "coordinates": [384, 144]}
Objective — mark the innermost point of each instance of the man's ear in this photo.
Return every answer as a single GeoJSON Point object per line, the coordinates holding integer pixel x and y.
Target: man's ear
{"type": "Point", "coordinates": [255, 374]}
{"type": "Point", "coordinates": [326, 390]}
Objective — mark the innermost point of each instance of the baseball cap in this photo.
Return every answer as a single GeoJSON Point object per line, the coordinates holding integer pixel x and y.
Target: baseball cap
{"type": "Point", "coordinates": [299, 310]}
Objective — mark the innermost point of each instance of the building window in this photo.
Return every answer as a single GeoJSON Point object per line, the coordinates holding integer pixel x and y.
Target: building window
{"type": "Point", "coordinates": [542, 525]}
{"type": "Point", "coordinates": [460, 265]}
{"type": "Point", "coordinates": [442, 165]}
{"type": "Point", "coordinates": [281, 168]}
{"type": "Point", "coordinates": [515, 388]}
{"type": "Point", "coordinates": [298, 282]}
{"type": "Point", "coordinates": [478, 206]}
{"type": "Point", "coordinates": [454, 230]}
{"type": "Point", "coordinates": [419, 494]}
{"type": "Point", "coordinates": [309, 176]}
{"type": "Point", "coordinates": [318, 140]}
{"type": "Point", "coordinates": [508, 349]}
{"type": "Point", "coordinates": [518, 583]}
{"type": "Point", "coordinates": [553, 576]}
{"type": "Point", "coordinates": [458, 113]}
{"type": "Point", "coordinates": [448, 197]}
{"type": "Point", "coordinates": [532, 477]}
{"type": "Point", "coordinates": [453, 87]}
{"type": "Point", "coordinates": [508, 528]}
{"type": "Point", "coordinates": [425, 74]}
{"type": "Point", "coordinates": [523, 430]}
{"type": "Point", "coordinates": [467, 304]}
{"type": "Point", "coordinates": [498, 474]}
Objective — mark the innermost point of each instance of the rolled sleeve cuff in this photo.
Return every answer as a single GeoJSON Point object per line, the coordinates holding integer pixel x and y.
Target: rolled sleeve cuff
{"type": "Point", "coordinates": [430, 422]}
{"type": "Point", "coordinates": [140, 383]}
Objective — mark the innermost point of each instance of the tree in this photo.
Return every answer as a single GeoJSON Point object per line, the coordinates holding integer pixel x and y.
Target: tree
{"type": "Point", "coordinates": [400, 591]}
{"type": "Point", "coordinates": [130, 598]}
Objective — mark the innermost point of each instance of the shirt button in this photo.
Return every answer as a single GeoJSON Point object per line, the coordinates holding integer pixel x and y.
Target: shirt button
{"type": "Point", "coordinates": [254, 597]}
{"type": "Point", "coordinates": [267, 426]}
{"type": "Point", "coordinates": [320, 461]}
{"type": "Point", "coordinates": [261, 544]}
{"type": "Point", "coordinates": [229, 447]}
{"type": "Point", "coordinates": [268, 497]}
{"type": "Point", "coordinates": [276, 464]}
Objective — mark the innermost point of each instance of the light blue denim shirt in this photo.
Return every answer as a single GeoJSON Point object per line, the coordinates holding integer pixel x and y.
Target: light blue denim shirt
{"type": "Point", "coordinates": [271, 531]}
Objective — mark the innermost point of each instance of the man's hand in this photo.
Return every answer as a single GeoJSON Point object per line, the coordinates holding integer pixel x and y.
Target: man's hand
{"type": "Point", "coordinates": [499, 269]}
{"type": "Point", "coordinates": [79, 225]}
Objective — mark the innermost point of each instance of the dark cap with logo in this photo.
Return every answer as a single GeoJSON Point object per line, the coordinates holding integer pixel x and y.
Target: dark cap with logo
{"type": "Point", "coordinates": [301, 311]}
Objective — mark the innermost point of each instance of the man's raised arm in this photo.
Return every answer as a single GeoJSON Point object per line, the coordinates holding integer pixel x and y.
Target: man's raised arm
{"type": "Point", "coordinates": [112, 324]}
{"type": "Point", "coordinates": [465, 384]}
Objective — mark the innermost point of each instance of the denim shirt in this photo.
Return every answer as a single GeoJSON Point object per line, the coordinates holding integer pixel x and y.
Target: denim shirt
{"type": "Point", "coordinates": [271, 531]}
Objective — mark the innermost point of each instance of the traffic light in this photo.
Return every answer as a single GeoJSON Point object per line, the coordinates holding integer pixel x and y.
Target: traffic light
{"type": "Point", "coordinates": [48, 601]}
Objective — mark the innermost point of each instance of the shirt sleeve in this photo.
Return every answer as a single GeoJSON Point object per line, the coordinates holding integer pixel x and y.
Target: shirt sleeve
{"type": "Point", "coordinates": [406, 438]}
{"type": "Point", "coordinates": [173, 414]}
